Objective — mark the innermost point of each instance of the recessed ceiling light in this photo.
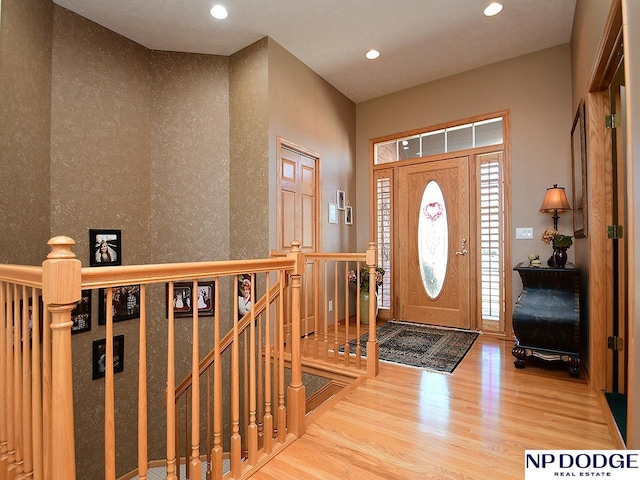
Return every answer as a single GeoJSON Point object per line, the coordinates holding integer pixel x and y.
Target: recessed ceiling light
{"type": "Point", "coordinates": [493, 9]}
{"type": "Point", "coordinates": [372, 54]}
{"type": "Point", "coordinates": [219, 12]}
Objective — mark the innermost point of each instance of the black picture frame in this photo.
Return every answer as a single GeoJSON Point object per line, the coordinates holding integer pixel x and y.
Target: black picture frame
{"type": "Point", "coordinates": [245, 280]}
{"type": "Point", "coordinates": [183, 299]}
{"type": "Point", "coordinates": [81, 314]}
{"type": "Point", "coordinates": [99, 354]}
{"type": "Point", "coordinates": [348, 215]}
{"type": "Point", "coordinates": [579, 172]}
{"type": "Point", "coordinates": [111, 241]}
{"type": "Point", "coordinates": [341, 199]}
{"type": "Point", "coordinates": [126, 303]}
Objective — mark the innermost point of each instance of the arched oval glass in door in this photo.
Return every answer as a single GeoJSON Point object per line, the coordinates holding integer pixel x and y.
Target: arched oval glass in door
{"type": "Point", "coordinates": [433, 239]}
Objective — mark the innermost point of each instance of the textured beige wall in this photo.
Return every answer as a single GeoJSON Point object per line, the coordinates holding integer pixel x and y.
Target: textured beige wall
{"type": "Point", "coordinates": [308, 111]}
{"type": "Point", "coordinates": [100, 99]}
{"type": "Point", "coordinates": [25, 108]}
{"type": "Point", "coordinates": [249, 154]}
{"type": "Point", "coordinates": [536, 88]}
{"type": "Point", "coordinates": [189, 174]}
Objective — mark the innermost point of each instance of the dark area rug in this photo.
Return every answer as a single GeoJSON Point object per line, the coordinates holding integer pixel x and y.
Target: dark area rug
{"type": "Point", "coordinates": [431, 348]}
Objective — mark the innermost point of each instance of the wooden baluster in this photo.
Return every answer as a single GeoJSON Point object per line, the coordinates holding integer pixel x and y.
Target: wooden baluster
{"type": "Point", "coordinates": [305, 296]}
{"type": "Point", "coordinates": [47, 395]}
{"type": "Point", "coordinates": [282, 410]}
{"type": "Point", "coordinates": [4, 331]}
{"type": "Point", "coordinates": [346, 315]}
{"type": "Point", "coordinates": [28, 337]}
{"type": "Point", "coordinates": [236, 439]}
{"type": "Point", "coordinates": [209, 419]}
{"type": "Point", "coordinates": [252, 429]}
{"type": "Point", "coordinates": [19, 307]}
{"type": "Point", "coordinates": [267, 419]}
{"type": "Point", "coordinates": [296, 396]}
{"type": "Point", "coordinates": [170, 395]}
{"type": "Point", "coordinates": [260, 356]}
{"type": "Point", "coordinates": [216, 453]}
{"type": "Point", "coordinates": [10, 452]}
{"type": "Point", "coordinates": [178, 431]}
{"type": "Point", "coordinates": [316, 307]}
{"type": "Point", "coordinates": [36, 389]}
{"type": "Point", "coordinates": [336, 322]}
{"type": "Point", "coordinates": [109, 395]}
{"type": "Point", "coordinates": [187, 435]}
{"type": "Point", "coordinates": [61, 290]}
{"type": "Point", "coordinates": [195, 467]}
{"type": "Point", "coordinates": [373, 349]}
{"type": "Point", "coordinates": [245, 390]}
{"type": "Point", "coordinates": [142, 388]}
{"type": "Point", "coordinates": [325, 314]}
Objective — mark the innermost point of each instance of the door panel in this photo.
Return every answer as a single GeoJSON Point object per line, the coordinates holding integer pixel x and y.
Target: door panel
{"type": "Point", "coordinates": [450, 304]}
{"type": "Point", "coordinates": [618, 372]}
{"type": "Point", "coordinates": [298, 205]}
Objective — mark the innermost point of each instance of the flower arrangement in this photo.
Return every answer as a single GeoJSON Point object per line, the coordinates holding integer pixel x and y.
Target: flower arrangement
{"type": "Point", "coordinates": [551, 237]}
{"type": "Point", "coordinates": [364, 277]}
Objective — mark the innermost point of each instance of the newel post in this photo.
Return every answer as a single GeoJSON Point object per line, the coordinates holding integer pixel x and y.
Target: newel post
{"type": "Point", "coordinates": [61, 289]}
{"type": "Point", "coordinates": [373, 349]}
{"type": "Point", "coordinates": [296, 394]}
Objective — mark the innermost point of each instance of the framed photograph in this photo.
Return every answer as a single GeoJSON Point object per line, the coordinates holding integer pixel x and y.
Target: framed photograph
{"type": "Point", "coordinates": [244, 293]}
{"type": "Point", "coordinates": [182, 299]}
{"type": "Point", "coordinates": [125, 300]}
{"type": "Point", "coordinates": [105, 248]}
{"type": "Point", "coordinates": [341, 199]}
{"type": "Point", "coordinates": [333, 213]}
{"type": "Point", "coordinates": [579, 172]}
{"type": "Point", "coordinates": [348, 215]}
{"type": "Point", "coordinates": [81, 315]}
{"type": "Point", "coordinates": [100, 356]}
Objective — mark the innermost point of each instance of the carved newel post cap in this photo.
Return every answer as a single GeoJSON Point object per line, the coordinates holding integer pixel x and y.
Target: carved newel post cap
{"type": "Point", "coordinates": [61, 247]}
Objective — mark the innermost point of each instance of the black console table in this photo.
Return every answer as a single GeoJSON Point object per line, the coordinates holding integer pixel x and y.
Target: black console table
{"type": "Point", "coordinates": [546, 318]}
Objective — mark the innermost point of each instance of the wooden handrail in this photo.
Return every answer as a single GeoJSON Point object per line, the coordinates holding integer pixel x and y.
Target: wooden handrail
{"type": "Point", "coordinates": [21, 274]}
{"type": "Point", "coordinates": [244, 322]}
{"type": "Point", "coordinates": [133, 274]}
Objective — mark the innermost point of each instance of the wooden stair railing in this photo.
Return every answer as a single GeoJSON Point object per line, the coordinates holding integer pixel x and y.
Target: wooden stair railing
{"type": "Point", "coordinates": [329, 330]}
{"type": "Point", "coordinates": [266, 406]}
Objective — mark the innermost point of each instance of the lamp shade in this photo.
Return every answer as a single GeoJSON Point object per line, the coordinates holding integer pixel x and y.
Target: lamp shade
{"type": "Point", "coordinates": [555, 200]}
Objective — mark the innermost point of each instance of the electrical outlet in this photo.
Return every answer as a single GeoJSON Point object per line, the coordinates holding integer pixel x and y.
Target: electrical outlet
{"type": "Point", "coordinates": [330, 305]}
{"type": "Point", "coordinates": [525, 233]}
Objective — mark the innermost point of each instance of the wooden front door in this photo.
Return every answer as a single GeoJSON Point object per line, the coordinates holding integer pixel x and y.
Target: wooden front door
{"type": "Point", "coordinates": [434, 243]}
{"type": "Point", "coordinates": [298, 204]}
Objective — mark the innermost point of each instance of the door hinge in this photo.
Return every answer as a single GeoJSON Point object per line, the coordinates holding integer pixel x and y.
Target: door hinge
{"type": "Point", "coordinates": [615, 343]}
{"type": "Point", "coordinates": [615, 232]}
{"type": "Point", "coordinates": [612, 121]}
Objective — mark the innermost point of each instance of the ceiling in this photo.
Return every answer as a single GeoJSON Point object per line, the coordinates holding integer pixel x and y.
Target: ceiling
{"type": "Point", "coordinates": [419, 40]}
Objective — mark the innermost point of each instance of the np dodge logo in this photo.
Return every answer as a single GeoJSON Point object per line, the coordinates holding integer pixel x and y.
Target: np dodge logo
{"type": "Point", "coordinates": [613, 464]}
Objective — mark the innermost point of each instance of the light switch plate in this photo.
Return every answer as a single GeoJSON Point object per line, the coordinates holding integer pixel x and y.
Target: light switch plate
{"type": "Point", "coordinates": [524, 233]}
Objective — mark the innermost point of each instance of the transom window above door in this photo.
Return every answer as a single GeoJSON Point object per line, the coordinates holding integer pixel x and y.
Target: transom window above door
{"type": "Point", "coordinates": [444, 140]}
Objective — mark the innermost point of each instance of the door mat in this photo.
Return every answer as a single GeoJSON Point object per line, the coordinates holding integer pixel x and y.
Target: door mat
{"type": "Point", "coordinates": [430, 348]}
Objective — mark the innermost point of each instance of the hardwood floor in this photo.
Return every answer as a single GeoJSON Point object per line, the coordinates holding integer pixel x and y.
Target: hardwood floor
{"type": "Point", "coordinates": [473, 424]}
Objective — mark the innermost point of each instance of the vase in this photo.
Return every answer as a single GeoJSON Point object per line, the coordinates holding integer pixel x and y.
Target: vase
{"type": "Point", "coordinates": [560, 256]}
{"type": "Point", "coordinates": [364, 306]}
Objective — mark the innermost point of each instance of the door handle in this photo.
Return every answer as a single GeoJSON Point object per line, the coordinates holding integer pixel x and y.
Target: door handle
{"type": "Point", "coordinates": [463, 244]}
